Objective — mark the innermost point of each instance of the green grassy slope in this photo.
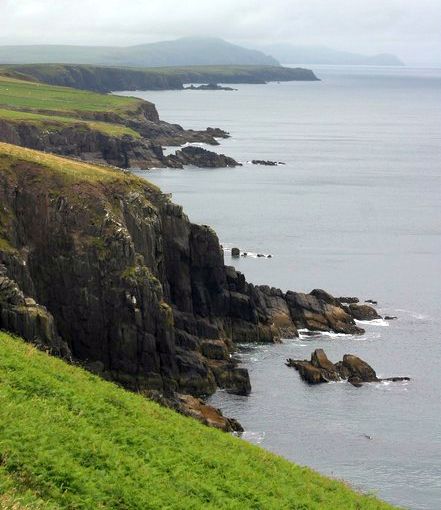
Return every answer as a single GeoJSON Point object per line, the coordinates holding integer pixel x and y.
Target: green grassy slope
{"type": "Point", "coordinates": [70, 440]}
{"type": "Point", "coordinates": [22, 94]}
{"type": "Point", "coordinates": [54, 108]}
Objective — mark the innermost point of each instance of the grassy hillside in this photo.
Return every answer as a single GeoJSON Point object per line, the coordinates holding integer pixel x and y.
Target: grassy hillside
{"type": "Point", "coordinates": [29, 95]}
{"type": "Point", "coordinates": [70, 440]}
{"type": "Point", "coordinates": [185, 51]}
{"type": "Point", "coordinates": [69, 113]}
{"type": "Point", "coordinates": [105, 79]}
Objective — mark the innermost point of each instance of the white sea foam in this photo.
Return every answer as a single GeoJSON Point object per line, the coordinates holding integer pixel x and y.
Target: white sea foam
{"type": "Point", "coordinates": [375, 322]}
{"type": "Point", "coordinates": [253, 437]}
{"type": "Point", "coordinates": [415, 315]}
{"type": "Point", "coordinates": [249, 254]}
{"type": "Point", "coordinates": [305, 334]}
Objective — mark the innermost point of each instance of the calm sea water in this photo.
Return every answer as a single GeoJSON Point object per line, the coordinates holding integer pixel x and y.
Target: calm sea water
{"type": "Point", "coordinates": [356, 211]}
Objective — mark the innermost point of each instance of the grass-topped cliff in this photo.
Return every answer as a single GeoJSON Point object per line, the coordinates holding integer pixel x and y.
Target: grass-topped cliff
{"type": "Point", "coordinates": [122, 131]}
{"type": "Point", "coordinates": [71, 440]}
{"type": "Point", "coordinates": [106, 79]}
{"type": "Point", "coordinates": [65, 109]}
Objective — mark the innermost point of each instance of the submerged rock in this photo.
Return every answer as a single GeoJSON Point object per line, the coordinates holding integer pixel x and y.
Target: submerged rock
{"type": "Point", "coordinates": [266, 162]}
{"type": "Point", "coordinates": [352, 368]}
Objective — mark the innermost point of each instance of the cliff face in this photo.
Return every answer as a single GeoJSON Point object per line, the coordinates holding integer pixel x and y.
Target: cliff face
{"type": "Point", "coordinates": [78, 140]}
{"type": "Point", "coordinates": [125, 283]}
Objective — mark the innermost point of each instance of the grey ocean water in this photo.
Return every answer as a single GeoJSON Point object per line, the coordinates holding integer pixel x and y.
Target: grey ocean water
{"type": "Point", "coordinates": [356, 210]}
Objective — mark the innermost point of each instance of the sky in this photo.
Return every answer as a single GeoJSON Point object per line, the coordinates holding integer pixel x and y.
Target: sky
{"type": "Point", "coordinates": [410, 29]}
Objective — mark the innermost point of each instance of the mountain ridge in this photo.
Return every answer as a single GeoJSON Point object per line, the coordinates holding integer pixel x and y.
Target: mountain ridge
{"type": "Point", "coordinates": [179, 52]}
{"type": "Point", "coordinates": [288, 53]}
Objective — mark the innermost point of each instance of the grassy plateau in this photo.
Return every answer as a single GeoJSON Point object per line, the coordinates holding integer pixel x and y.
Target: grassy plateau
{"type": "Point", "coordinates": [54, 108]}
{"type": "Point", "coordinates": [31, 95]}
{"type": "Point", "coordinates": [70, 440]}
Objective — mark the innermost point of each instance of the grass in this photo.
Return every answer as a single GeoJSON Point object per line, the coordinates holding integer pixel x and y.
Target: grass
{"type": "Point", "coordinates": [68, 169]}
{"type": "Point", "coordinates": [55, 122]}
{"type": "Point", "coordinates": [53, 108]}
{"type": "Point", "coordinates": [69, 440]}
{"type": "Point", "coordinates": [21, 94]}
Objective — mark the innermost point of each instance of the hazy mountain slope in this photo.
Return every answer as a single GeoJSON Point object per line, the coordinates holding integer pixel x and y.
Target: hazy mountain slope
{"type": "Point", "coordinates": [180, 52]}
{"type": "Point", "coordinates": [292, 54]}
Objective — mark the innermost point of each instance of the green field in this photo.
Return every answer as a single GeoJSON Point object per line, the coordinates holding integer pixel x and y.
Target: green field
{"type": "Point", "coordinates": [70, 440]}
{"type": "Point", "coordinates": [54, 108]}
{"type": "Point", "coordinates": [29, 95]}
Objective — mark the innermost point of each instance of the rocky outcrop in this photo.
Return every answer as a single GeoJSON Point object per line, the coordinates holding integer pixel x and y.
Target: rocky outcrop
{"type": "Point", "coordinates": [197, 156]}
{"type": "Point", "coordinates": [319, 311]}
{"type": "Point", "coordinates": [352, 368]}
{"type": "Point", "coordinates": [196, 408]}
{"type": "Point", "coordinates": [135, 291]}
{"type": "Point", "coordinates": [363, 312]}
{"type": "Point", "coordinates": [208, 86]}
{"type": "Point", "coordinates": [26, 318]}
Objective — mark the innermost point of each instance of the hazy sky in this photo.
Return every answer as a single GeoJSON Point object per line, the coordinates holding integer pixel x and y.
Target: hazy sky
{"type": "Point", "coordinates": [409, 28]}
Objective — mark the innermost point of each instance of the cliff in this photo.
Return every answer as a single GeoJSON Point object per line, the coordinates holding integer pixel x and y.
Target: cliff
{"type": "Point", "coordinates": [106, 79]}
{"type": "Point", "coordinates": [107, 270]}
{"type": "Point", "coordinates": [120, 131]}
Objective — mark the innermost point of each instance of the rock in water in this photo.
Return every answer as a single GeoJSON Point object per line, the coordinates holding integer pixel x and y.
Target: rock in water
{"type": "Point", "coordinates": [209, 86]}
{"type": "Point", "coordinates": [265, 162]}
{"type": "Point", "coordinates": [352, 368]}
{"type": "Point", "coordinates": [358, 370]}
{"type": "Point", "coordinates": [200, 157]}
{"type": "Point", "coordinates": [348, 300]}
{"type": "Point", "coordinates": [363, 312]}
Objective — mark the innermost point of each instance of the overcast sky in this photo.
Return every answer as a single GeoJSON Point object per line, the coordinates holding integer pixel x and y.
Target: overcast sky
{"type": "Point", "coordinates": [410, 29]}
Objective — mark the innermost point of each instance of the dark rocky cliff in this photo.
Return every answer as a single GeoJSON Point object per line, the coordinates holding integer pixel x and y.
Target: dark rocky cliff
{"type": "Point", "coordinates": [106, 79]}
{"type": "Point", "coordinates": [106, 269]}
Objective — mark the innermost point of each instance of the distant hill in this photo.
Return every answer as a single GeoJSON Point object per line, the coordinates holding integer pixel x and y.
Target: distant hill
{"type": "Point", "coordinates": [292, 54]}
{"type": "Point", "coordinates": [180, 52]}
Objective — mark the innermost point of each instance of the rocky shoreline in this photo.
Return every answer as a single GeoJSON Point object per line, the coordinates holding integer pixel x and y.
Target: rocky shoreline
{"type": "Point", "coordinates": [116, 277]}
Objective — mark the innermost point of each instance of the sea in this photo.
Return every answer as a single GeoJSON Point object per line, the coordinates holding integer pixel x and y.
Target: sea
{"type": "Point", "coordinates": [356, 210]}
